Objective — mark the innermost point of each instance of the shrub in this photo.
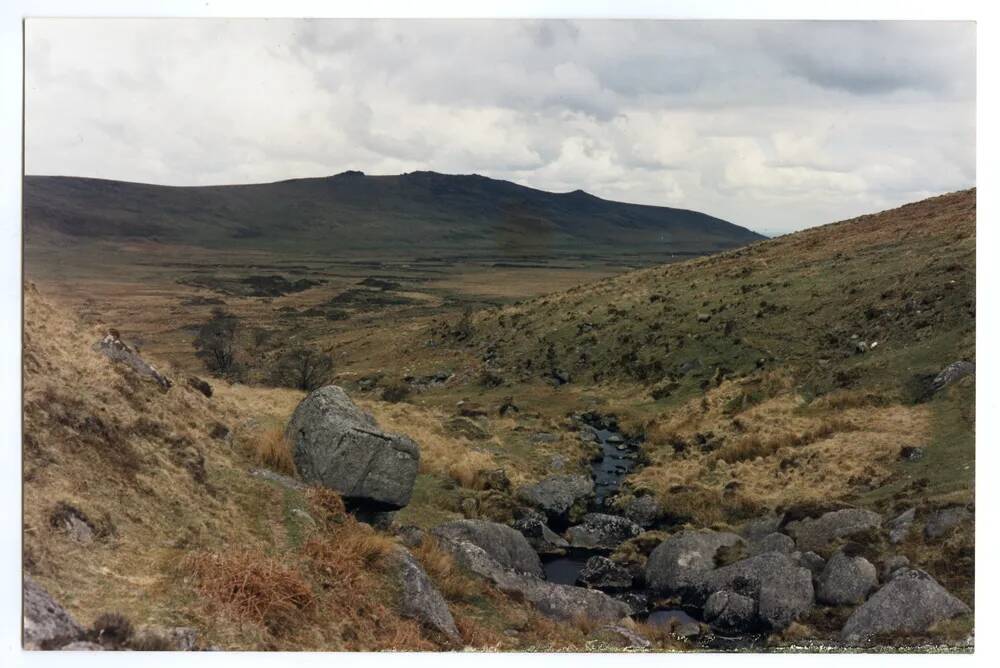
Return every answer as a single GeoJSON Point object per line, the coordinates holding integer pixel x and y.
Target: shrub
{"type": "Point", "coordinates": [215, 343]}
{"type": "Point", "coordinates": [111, 629]}
{"type": "Point", "coordinates": [303, 368]}
{"type": "Point", "coordinates": [395, 391]}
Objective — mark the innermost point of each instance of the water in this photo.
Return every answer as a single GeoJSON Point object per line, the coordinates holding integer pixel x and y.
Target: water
{"type": "Point", "coordinates": [618, 459]}
{"type": "Point", "coordinates": [564, 570]}
{"type": "Point", "coordinates": [668, 616]}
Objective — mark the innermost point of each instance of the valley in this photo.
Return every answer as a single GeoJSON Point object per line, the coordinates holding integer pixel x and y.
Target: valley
{"type": "Point", "coordinates": [732, 402]}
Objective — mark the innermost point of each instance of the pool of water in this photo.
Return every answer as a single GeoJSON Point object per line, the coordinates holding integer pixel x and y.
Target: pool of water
{"type": "Point", "coordinates": [564, 570]}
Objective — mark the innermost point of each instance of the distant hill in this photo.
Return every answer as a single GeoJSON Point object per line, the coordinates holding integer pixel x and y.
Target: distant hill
{"type": "Point", "coordinates": [410, 213]}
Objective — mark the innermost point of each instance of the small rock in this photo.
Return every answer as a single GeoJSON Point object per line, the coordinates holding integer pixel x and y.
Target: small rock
{"type": "Point", "coordinates": [772, 542]}
{"type": "Point", "coordinates": [631, 638]}
{"type": "Point", "coordinates": [541, 538]}
{"type": "Point", "coordinates": [899, 527]}
{"type": "Point", "coordinates": [200, 385]}
{"type": "Point", "coordinates": [911, 453]}
{"type": "Point", "coordinates": [944, 521]}
{"type": "Point", "coordinates": [559, 496]}
{"type": "Point", "coordinates": [704, 317]}
{"type": "Point", "coordinates": [81, 646]}
{"type": "Point", "coordinates": [813, 562]}
{"type": "Point", "coordinates": [951, 373]}
{"type": "Point", "coordinates": [643, 510]}
{"type": "Point", "coordinates": [816, 534]}
{"type": "Point", "coordinates": [688, 630]}
{"type": "Point", "coordinates": [502, 543]}
{"type": "Point", "coordinates": [220, 432]}
{"type": "Point", "coordinates": [892, 565]}
{"type": "Point", "coordinates": [728, 611]}
{"type": "Point", "coordinates": [466, 428]}
{"type": "Point", "coordinates": [543, 437]}
{"type": "Point", "coordinates": [846, 580]}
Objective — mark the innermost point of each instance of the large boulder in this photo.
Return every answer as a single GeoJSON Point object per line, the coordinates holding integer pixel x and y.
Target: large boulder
{"type": "Point", "coordinates": [419, 598]}
{"type": "Point", "coordinates": [561, 602]}
{"type": "Point", "coordinates": [680, 563]}
{"type": "Point", "coordinates": [338, 445]}
{"type": "Point", "coordinates": [47, 625]}
{"type": "Point", "coordinates": [601, 531]}
{"type": "Point", "coordinates": [846, 580]}
{"type": "Point", "coordinates": [505, 545]}
{"type": "Point", "coordinates": [560, 497]}
{"type": "Point", "coordinates": [782, 589]}
{"type": "Point", "coordinates": [909, 603]}
{"type": "Point", "coordinates": [816, 534]}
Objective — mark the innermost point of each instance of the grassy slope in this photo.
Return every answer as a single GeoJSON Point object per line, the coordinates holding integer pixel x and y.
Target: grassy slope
{"type": "Point", "coordinates": [423, 212]}
{"type": "Point", "coordinates": [179, 523]}
{"type": "Point", "coordinates": [769, 371]}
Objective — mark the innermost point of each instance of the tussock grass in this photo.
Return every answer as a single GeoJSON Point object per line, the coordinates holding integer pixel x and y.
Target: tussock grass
{"type": "Point", "coordinates": [269, 447]}
{"type": "Point", "coordinates": [249, 585]}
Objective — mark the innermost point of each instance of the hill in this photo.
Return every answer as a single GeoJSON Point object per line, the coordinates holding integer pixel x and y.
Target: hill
{"type": "Point", "coordinates": [415, 213]}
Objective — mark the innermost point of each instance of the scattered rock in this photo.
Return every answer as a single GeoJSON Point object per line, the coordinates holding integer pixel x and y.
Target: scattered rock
{"type": "Point", "coordinates": [680, 564]}
{"type": "Point", "coordinates": [909, 603]}
{"type": "Point", "coordinates": [200, 385]}
{"type": "Point", "coordinates": [951, 373]}
{"type": "Point", "coordinates": [561, 602]}
{"type": "Point", "coordinates": [816, 534]}
{"type": "Point", "coordinates": [47, 625]}
{"type": "Point", "coordinates": [337, 444]}
{"type": "Point", "coordinates": [941, 522]}
{"type": "Point", "coordinates": [602, 573]}
{"type": "Point", "coordinates": [728, 611]}
{"type": "Point", "coordinates": [560, 377]}
{"type": "Point", "coordinates": [601, 531]}
{"type": "Point", "coordinates": [783, 590]}
{"type": "Point", "coordinates": [846, 580]}
{"type": "Point", "coordinates": [118, 351]}
{"type": "Point", "coordinates": [899, 527]}
{"type": "Point", "coordinates": [419, 598]}
{"type": "Point", "coordinates": [502, 543]}
{"type": "Point", "coordinates": [560, 497]}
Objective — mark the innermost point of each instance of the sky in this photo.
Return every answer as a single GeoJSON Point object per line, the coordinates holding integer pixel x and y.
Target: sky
{"type": "Point", "coordinates": [775, 126]}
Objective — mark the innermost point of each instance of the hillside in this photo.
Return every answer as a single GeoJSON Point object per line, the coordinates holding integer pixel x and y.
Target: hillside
{"type": "Point", "coordinates": [415, 213]}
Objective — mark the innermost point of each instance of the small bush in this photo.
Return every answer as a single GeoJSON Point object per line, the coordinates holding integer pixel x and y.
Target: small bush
{"type": "Point", "coordinates": [251, 586]}
{"type": "Point", "coordinates": [395, 392]}
{"type": "Point", "coordinates": [111, 629]}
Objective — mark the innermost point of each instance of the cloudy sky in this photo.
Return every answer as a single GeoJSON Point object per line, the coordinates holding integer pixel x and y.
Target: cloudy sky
{"type": "Point", "coordinates": [772, 125]}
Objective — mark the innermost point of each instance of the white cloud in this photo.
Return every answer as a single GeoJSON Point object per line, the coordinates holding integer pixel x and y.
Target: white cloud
{"type": "Point", "coordinates": [771, 125]}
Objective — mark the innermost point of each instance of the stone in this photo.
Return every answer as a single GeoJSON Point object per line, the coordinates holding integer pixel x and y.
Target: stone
{"type": "Point", "coordinates": [281, 480]}
{"type": "Point", "coordinates": [728, 611]}
{"type": "Point", "coordinates": [704, 317]}
{"type": "Point", "coordinates": [602, 573]}
{"type": "Point", "coordinates": [631, 638]}
{"type": "Point", "coordinates": [200, 385]}
{"type": "Point", "coordinates": [466, 428]}
{"type": "Point", "coordinates": [951, 373]}
{"type": "Point", "coordinates": [338, 445]}
{"type": "Point", "coordinates": [846, 580]}
{"type": "Point", "coordinates": [758, 528]}
{"type": "Point", "coordinates": [602, 531]}
{"type": "Point", "coordinates": [910, 602]}
{"type": "Point", "coordinates": [112, 347]}
{"type": "Point", "coordinates": [420, 600]}
{"type": "Point", "coordinates": [911, 453]}
{"type": "Point", "coordinates": [643, 510]}
{"type": "Point", "coordinates": [502, 543]}
{"type": "Point", "coordinates": [772, 542]}
{"type": "Point", "coordinates": [783, 589]}
{"type": "Point", "coordinates": [559, 496]}
{"type": "Point", "coordinates": [47, 625]}
{"type": "Point", "coordinates": [542, 539]}
{"type": "Point", "coordinates": [680, 563]}
{"type": "Point", "coordinates": [816, 534]}
{"type": "Point", "coordinates": [637, 602]}
{"type": "Point", "coordinates": [411, 536]}
{"type": "Point", "coordinates": [81, 646]}
{"type": "Point", "coordinates": [899, 527]}
{"type": "Point", "coordinates": [813, 562]}
{"type": "Point", "coordinates": [561, 602]}
{"type": "Point", "coordinates": [891, 565]}
{"type": "Point", "coordinates": [941, 522]}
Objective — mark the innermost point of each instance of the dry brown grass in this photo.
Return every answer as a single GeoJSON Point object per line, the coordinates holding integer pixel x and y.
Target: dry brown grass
{"type": "Point", "coordinates": [465, 471]}
{"type": "Point", "coordinates": [249, 585]}
{"type": "Point", "coordinates": [269, 447]}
